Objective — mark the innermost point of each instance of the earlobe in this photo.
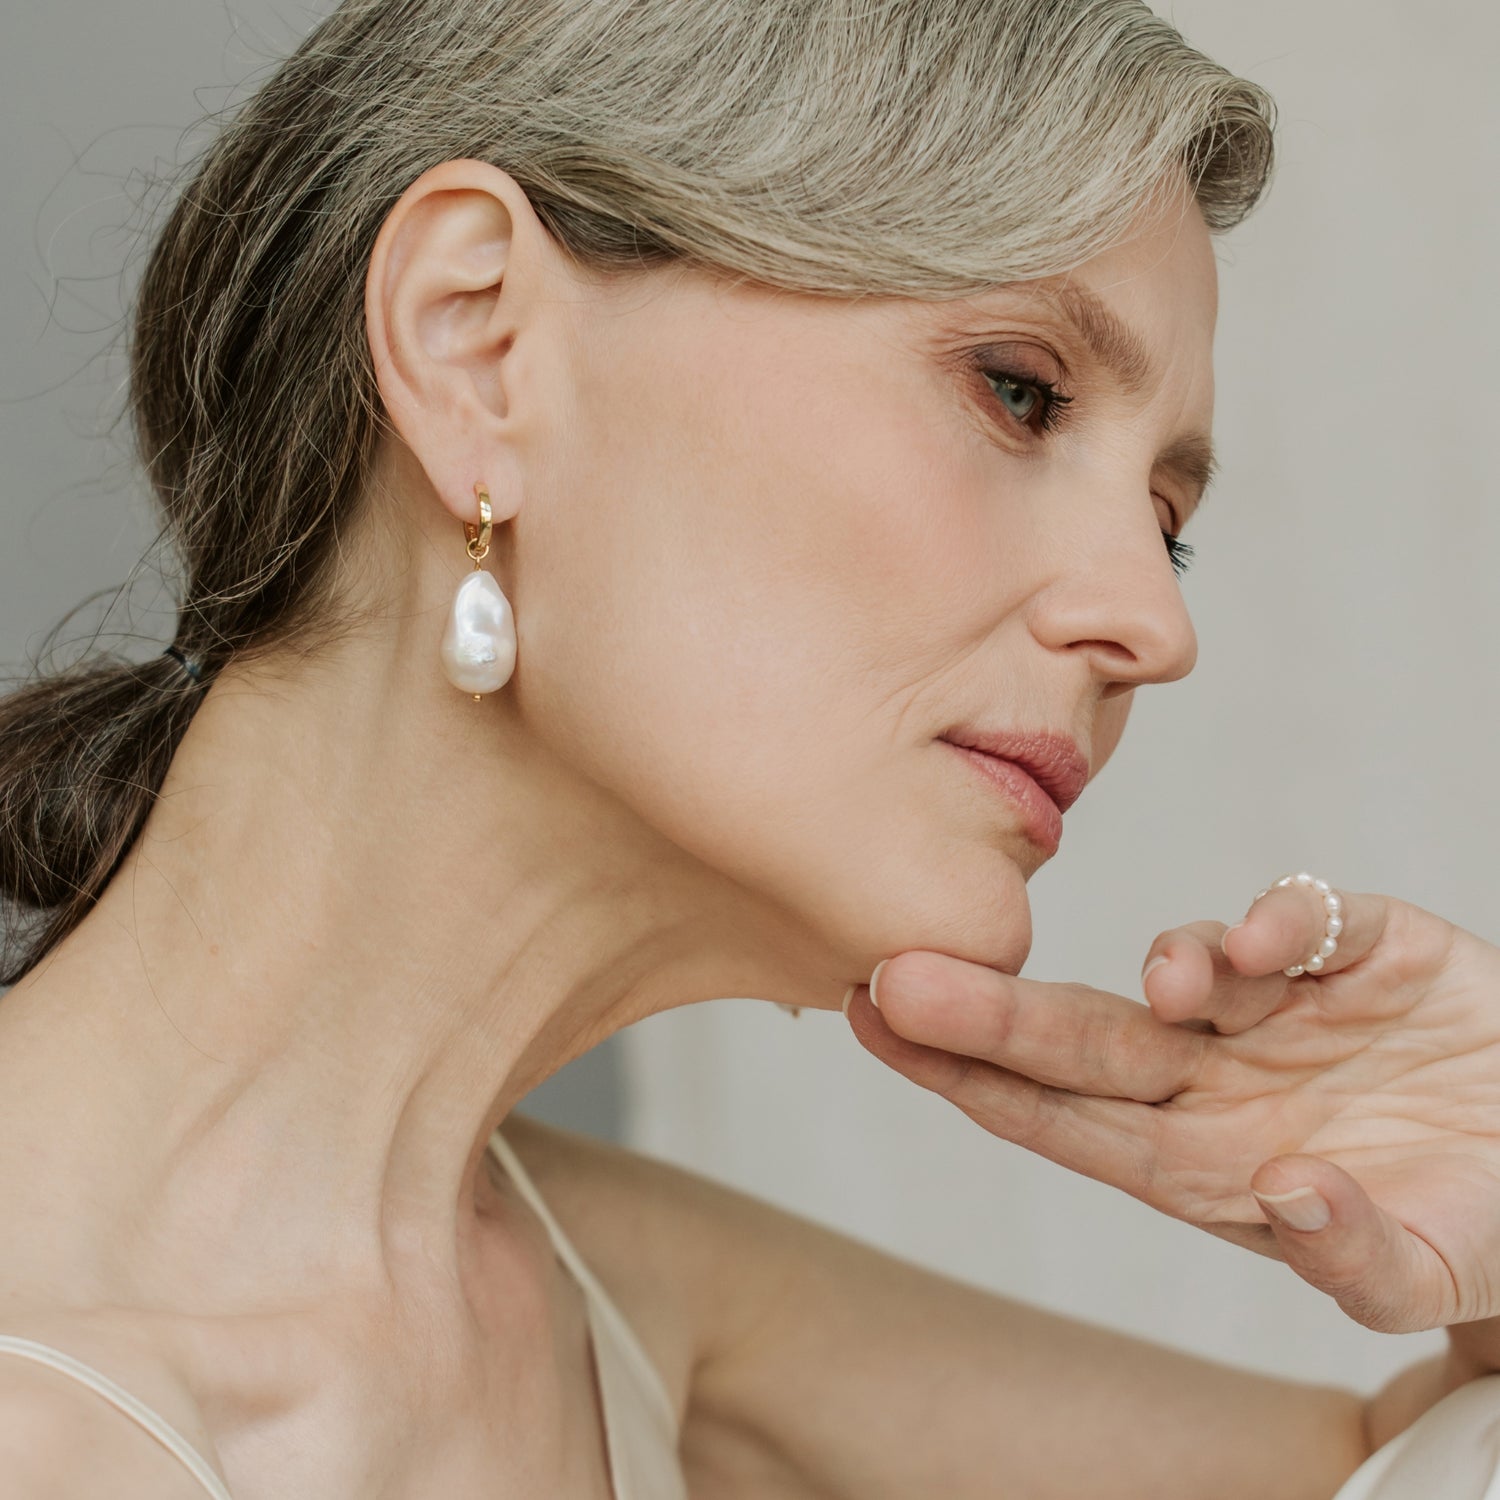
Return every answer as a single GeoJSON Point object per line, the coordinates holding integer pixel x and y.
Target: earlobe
{"type": "Point", "coordinates": [442, 309]}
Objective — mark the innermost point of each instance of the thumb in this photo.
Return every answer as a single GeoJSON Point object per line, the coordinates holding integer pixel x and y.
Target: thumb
{"type": "Point", "coordinates": [1335, 1238]}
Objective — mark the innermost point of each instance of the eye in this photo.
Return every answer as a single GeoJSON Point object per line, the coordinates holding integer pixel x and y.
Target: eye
{"type": "Point", "coordinates": [1035, 404]}
{"type": "Point", "coordinates": [1017, 397]}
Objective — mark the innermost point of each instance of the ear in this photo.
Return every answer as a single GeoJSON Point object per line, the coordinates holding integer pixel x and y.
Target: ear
{"type": "Point", "coordinates": [452, 288]}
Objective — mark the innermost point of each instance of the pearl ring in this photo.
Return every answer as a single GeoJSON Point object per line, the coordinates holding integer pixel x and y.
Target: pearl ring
{"type": "Point", "coordinates": [1333, 911]}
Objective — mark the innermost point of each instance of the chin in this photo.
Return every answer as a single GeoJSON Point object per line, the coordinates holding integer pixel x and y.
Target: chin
{"type": "Point", "coordinates": [1013, 951]}
{"type": "Point", "coordinates": [995, 931]}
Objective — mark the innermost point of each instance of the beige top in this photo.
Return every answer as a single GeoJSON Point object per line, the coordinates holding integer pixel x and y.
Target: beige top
{"type": "Point", "coordinates": [1451, 1452]}
{"type": "Point", "coordinates": [640, 1422]}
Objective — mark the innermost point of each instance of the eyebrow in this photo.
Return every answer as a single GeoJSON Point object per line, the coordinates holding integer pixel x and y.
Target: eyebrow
{"type": "Point", "coordinates": [1191, 461]}
{"type": "Point", "coordinates": [1119, 349]}
{"type": "Point", "coordinates": [1116, 346]}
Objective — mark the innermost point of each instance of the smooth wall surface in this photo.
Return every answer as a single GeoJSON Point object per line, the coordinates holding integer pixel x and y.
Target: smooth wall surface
{"type": "Point", "coordinates": [1342, 717]}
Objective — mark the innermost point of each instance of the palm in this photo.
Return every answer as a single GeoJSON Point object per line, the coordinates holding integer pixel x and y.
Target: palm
{"type": "Point", "coordinates": [1393, 1076]}
{"type": "Point", "coordinates": [1389, 1069]}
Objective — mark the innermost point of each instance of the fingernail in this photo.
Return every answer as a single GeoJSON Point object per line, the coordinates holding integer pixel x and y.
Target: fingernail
{"type": "Point", "coordinates": [1304, 1208]}
{"type": "Point", "coordinates": [848, 996]}
{"type": "Point", "coordinates": [1235, 928]}
{"type": "Point", "coordinates": [873, 977]}
{"type": "Point", "coordinates": [1156, 963]}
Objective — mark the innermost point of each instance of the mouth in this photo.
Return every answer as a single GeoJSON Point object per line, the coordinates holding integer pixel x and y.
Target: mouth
{"type": "Point", "coordinates": [1041, 773]}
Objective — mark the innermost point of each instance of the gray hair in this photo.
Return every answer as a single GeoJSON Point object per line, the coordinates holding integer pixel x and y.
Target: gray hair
{"type": "Point", "coordinates": [920, 148]}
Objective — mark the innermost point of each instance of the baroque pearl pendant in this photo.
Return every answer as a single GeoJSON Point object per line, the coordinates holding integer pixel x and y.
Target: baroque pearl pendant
{"type": "Point", "coordinates": [479, 645]}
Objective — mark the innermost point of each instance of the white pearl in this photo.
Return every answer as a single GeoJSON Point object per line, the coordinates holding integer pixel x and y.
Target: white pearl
{"type": "Point", "coordinates": [1315, 964]}
{"type": "Point", "coordinates": [1335, 926]}
{"type": "Point", "coordinates": [1328, 947]}
{"type": "Point", "coordinates": [1332, 905]}
{"type": "Point", "coordinates": [1321, 887]}
{"type": "Point", "coordinates": [479, 645]}
{"type": "Point", "coordinates": [1304, 878]}
{"type": "Point", "coordinates": [1293, 972]}
{"type": "Point", "coordinates": [1285, 880]}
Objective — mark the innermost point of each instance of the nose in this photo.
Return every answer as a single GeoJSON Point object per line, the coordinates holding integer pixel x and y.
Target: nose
{"type": "Point", "coordinates": [1120, 603]}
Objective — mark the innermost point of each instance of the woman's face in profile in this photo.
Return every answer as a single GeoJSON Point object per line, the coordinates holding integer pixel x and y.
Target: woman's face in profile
{"type": "Point", "coordinates": [776, 547]}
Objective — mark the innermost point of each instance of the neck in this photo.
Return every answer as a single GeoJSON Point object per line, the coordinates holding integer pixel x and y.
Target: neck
{"type": "Point", "coordinates": [358, 927]}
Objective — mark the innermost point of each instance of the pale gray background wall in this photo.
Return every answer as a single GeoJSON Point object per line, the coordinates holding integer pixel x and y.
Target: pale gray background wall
{"type": "Point", "coordinates": [1341, 717]}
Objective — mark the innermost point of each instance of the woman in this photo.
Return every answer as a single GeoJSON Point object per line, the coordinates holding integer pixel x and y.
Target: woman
{"type": "Point", "coordinates": [812, 390]}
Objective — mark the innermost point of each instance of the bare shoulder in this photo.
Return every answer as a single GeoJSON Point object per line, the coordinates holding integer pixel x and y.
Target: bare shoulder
{"type": "Point", "coordinates": [691, 1261]}
{"type": "Point", "coordinates": [823, 1365]}
{"type": "Point", "coordinates": [61, 1441]}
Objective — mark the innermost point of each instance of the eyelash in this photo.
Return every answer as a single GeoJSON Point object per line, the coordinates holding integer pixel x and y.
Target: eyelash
{"type": "Point", "coordinates": [1181, 553]}
{"type": "Point", "coordinates": [1054, 412]}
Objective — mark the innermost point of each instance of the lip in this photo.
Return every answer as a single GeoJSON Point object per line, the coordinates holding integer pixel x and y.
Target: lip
{"type": "Point", "coordinates": [1043, 773]}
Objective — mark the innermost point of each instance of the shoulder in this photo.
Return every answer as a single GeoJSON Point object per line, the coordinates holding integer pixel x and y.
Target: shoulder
{"type": "Point", "coordinates": [691, 1261]}
{"type": "Point", "coordinates": [624, 1203]}
{"type": "Point", "coordinates": [61, 1441]}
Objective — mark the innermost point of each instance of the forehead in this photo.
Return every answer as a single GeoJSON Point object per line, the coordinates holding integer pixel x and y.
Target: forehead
{"type": "Point", "coordinates": [1146, 308]}
{"type": "Point", "coordinates": [1162, 280]}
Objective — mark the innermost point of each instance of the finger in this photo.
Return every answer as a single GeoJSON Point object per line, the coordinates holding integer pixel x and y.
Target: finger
{"type": "Point", "coordinates": [1335, 1237]}
{"type": "Point", "coordinates": [1233, 978]}
{"type": "Point", "coordinates": [1063, 1035]}
{"type": "Point", "coordinates": [1188, 977]}
{"type": "Point", "coordinates": [1110, 1140]}
{"type": "Point", "coordinates": [1285, 927]}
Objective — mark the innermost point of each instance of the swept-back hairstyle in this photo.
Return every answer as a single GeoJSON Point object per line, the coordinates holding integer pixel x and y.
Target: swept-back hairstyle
{"type": "Point", "coordinates": [918, 148]}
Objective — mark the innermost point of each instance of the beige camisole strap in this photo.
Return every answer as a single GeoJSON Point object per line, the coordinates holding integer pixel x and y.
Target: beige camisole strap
{"type": "Point", "coordinates": [162, 1430]}
{"type": "Point", "coordinates": [640, 1420]}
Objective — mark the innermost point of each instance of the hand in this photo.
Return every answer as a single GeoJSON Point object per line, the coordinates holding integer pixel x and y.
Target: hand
{"type": "Point", "coordinates": [1373, 1089]}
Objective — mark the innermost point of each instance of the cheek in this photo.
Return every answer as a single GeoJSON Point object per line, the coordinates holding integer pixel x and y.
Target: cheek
{"type": "Point", "coordinates": [741, 595]}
